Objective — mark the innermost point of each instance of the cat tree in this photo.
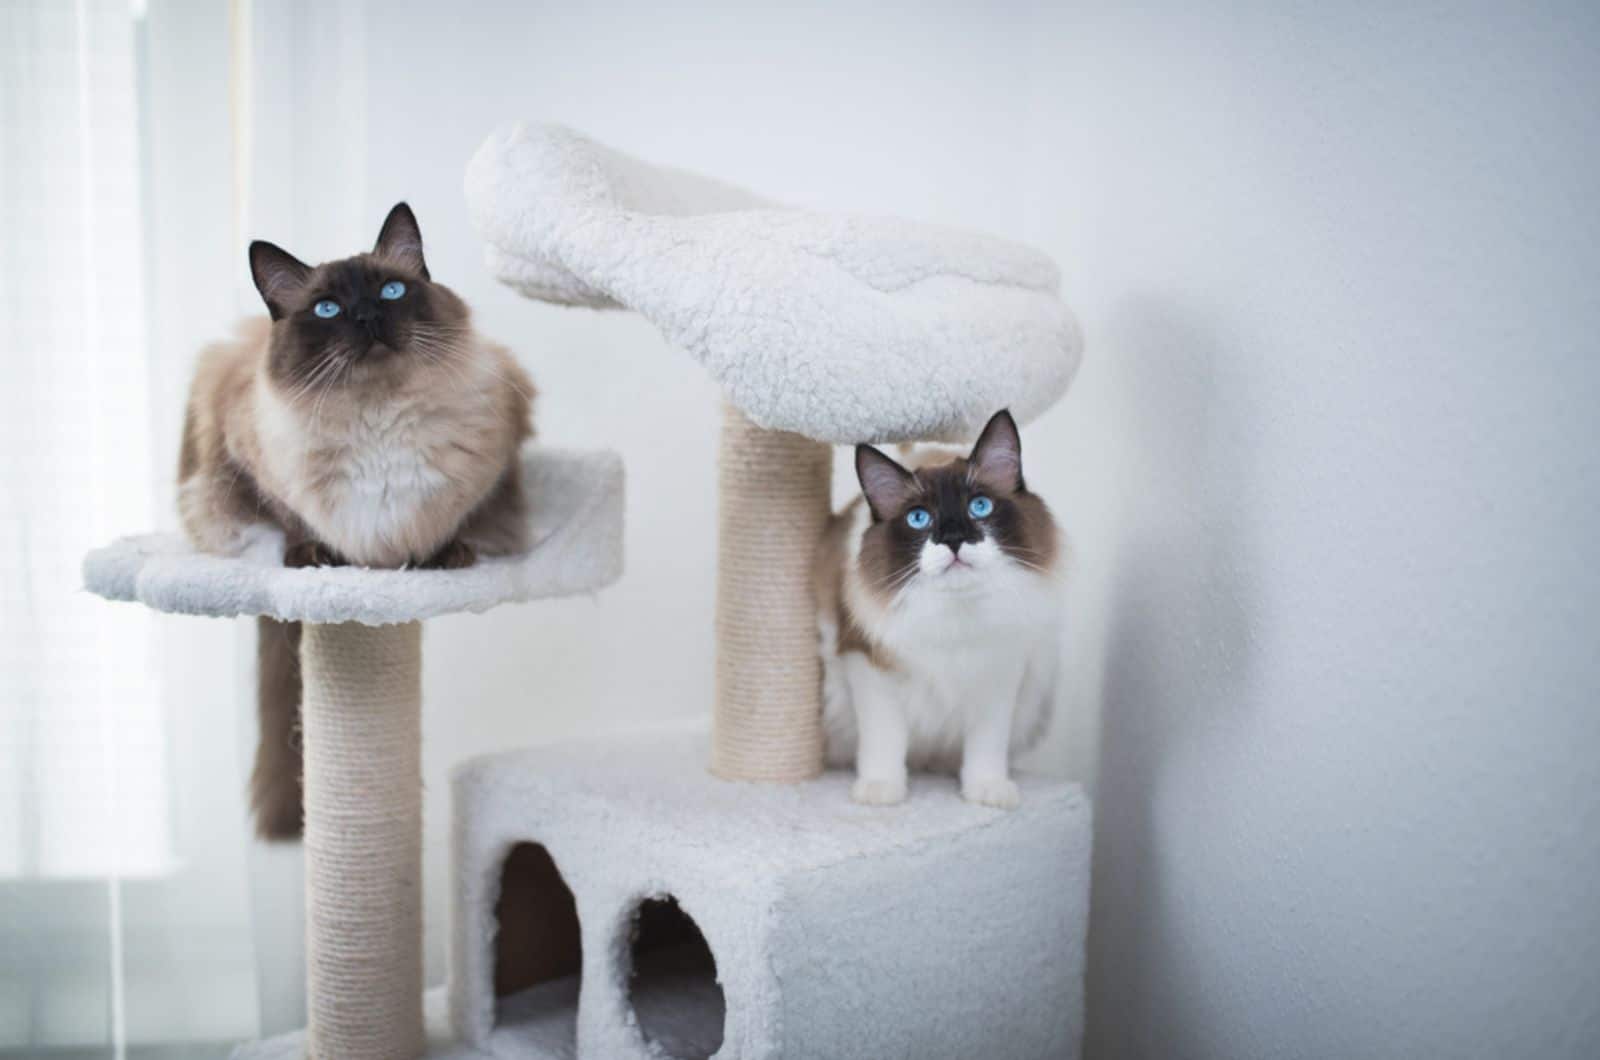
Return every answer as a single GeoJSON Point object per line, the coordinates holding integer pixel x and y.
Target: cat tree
{"type": "Point", "coordinates": [618, 900]}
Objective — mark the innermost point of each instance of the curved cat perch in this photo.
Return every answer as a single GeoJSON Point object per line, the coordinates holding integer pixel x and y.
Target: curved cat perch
{"type": "Point", "coordinates": [361, 661]}
{"type": "Point", "coordinates": [820, 328]}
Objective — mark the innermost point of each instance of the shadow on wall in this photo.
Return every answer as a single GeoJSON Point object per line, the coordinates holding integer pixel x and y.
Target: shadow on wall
{"type": "Point", "coordinates": [1178, 646]}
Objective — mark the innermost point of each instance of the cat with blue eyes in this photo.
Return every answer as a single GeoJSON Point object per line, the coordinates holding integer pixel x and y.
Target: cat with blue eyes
{"type": "Point", "coordinates": [939, 595]}
{"type": "Point", "coordinates": [362, 421]}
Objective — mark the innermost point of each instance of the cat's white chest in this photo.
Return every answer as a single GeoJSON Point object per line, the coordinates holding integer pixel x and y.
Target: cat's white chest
{"type": "Point", "coordinates": [960, 661]}
{"type": "Point", "coordinates": [384, 483]}
{"type": "Point", "coordinates": [951, 664]}
{"type": "Point", "coordinates": [364, 482]}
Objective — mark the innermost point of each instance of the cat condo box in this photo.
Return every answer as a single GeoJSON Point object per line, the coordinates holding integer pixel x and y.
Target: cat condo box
{"type": "Point", "coordinates": [615, 900]}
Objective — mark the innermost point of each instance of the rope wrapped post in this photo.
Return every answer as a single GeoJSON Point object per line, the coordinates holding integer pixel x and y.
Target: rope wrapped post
{"type": "Point", "coordinates": [775, 495]}
{"type": "Point", "coordinates": [362, 712]}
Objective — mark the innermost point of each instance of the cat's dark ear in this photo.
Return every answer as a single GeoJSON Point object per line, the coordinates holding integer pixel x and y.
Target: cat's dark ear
{"type": "Point", "coordinates": [887, 486]}
{"type": "Point", "coordinates": [400, 240]}
{"type": "Point", "coordinates": [279, 275]}
{"type": "Point", "coordinates": [998, 454]}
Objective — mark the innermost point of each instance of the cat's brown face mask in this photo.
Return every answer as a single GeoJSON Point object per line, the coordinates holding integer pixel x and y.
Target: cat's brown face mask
{"type": "Point", "coordinates": [352, 319]}
{"type": "Point", "coordinates": [945, 518]}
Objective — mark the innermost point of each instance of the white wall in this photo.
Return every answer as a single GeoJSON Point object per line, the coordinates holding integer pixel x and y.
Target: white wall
{"type": "Point", "coordinates": [1337, 264]}
{"type": "Point", "coordinates": [1330, 463]}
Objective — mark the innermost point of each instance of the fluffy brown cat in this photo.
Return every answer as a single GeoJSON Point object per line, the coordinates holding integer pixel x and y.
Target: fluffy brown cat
{"type": "Point", "coordinates": [367, 423]}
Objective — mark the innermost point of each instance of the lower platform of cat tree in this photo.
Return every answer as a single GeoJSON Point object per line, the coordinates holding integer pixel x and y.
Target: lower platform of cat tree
{"type": "Point", "coordinates": [613, 900]}
{"type": "Point", "coordinates": [704, 918]}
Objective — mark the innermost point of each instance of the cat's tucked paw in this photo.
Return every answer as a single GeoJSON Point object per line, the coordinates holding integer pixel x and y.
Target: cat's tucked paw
{"type": "Point", "coordinates": [311, 554]}
{"type": "Point", "coordinates": [999, 792]}
{"type": "Point", "coordinates": [875, 791]}
{"type": "Point", "coordinates": [453, 556]}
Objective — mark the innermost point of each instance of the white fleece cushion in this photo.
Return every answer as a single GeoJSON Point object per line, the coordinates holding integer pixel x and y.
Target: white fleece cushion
{"type": "Point", "coordinates": [841, 328]}
{"type": "Point", "coordinates": [575, 527]}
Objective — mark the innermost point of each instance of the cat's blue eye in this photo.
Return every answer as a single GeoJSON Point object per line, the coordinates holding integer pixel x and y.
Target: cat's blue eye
{"type": "Point", "coordinates": [392, 290]}
{"type": "Point", "coordinates": [918, 518]}
{"type": "Point", "coordinates": [981, 507]}
{"type": "Point", "coordinates": [327, 309]}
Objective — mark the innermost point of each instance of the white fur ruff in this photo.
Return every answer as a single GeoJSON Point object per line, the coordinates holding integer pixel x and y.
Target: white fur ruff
{"type": "Point", "coordinates": [390, 477]}
{"type": "Point", "coordinates": [390, 458]}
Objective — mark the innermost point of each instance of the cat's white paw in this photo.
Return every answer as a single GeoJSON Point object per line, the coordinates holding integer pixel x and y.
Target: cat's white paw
{"type": "Point", "coordinates": [999, 792]}
{"type": "Point", "coordinates": [874, 791]}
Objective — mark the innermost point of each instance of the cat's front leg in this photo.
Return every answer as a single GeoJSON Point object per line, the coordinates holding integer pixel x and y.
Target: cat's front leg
{"type": "Point", "coordinates": [881, 733]}
{"type": "Point", "coordinates": [309, 552]}
{"type": "Point", "coordinates": [986, 759]}
{"type": "Point", "coordinates": [452, 555]}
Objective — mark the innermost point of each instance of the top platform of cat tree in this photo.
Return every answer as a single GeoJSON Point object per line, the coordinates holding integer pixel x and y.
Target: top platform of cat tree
{"type": "Point", "coordinates": [575, 526]}
{"type": "Point", "coordinates": [840, 328]}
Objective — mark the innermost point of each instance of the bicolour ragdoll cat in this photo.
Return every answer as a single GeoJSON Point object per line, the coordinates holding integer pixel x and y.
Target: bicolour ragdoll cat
{"type": "Point", "coordinates": [939, 612]}
{"type": "Point", "coordinates": [367, 423]}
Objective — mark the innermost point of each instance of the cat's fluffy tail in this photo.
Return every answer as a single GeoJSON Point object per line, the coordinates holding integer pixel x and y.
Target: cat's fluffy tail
{"type": "Point", "coordinates": [275, 787]}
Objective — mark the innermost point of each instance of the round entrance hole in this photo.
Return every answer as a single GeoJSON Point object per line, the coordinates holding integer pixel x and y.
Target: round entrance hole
{"type": "Point", "coordinates": [672, 986]}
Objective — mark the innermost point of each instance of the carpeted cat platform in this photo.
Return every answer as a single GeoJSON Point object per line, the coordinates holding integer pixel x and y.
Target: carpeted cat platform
{"type": "Point", "coordinates": [574, 527]}
{"type": "Point", "coordinates": [843, 328]}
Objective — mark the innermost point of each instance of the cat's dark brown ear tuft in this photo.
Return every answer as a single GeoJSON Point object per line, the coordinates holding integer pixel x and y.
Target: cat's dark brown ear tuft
{"type": "Point", "coordinates": [886, 485]}
{"type": "Point", "coordinates": [998, 453]}
{"type": "Point", "coordinates": [279, 275]}
{"type": "Point", "coordinates": [400, 240]}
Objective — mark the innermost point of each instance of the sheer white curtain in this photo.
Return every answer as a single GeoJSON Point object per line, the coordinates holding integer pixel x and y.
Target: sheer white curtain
{"type": "Point", "coordinates": [124, 901]}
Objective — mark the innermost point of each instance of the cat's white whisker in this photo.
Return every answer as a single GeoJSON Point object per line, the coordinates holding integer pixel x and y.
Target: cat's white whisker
{"type": "Point", "coordinates": [312, 375]}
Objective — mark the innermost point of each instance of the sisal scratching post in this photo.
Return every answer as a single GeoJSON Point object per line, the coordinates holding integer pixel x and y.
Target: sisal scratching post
{"type": "Point", "coordinates": [363, 840]}
{"type": "Point", "coordinates": [774, 504]}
